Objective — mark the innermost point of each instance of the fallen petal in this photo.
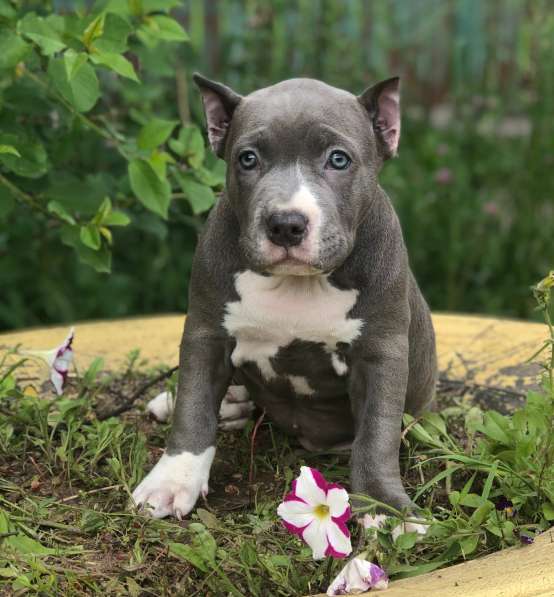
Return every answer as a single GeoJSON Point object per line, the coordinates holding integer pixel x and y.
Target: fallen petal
{"type": "Point", "coordinates": [358, 576]}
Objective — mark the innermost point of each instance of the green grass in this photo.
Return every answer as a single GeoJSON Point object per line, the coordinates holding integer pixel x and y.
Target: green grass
{"type": "Point", "coordinates": [66, 478]}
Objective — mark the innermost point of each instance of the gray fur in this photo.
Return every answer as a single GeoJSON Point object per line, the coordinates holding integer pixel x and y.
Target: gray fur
{"type": "Point", "coordinates": [392, 364]}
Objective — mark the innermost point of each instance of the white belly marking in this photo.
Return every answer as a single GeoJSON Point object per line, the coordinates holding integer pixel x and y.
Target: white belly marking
{"type": "Point", "coordinates": [275, 310]}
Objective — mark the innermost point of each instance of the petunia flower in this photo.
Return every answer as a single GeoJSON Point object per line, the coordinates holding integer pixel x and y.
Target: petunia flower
{"type": "Point", "coordinates": [317, 512]}
{"type": "Point", "coordinates": [58, 360]}
{"type": "Point", "coordinates": [503, 504]}
{"type": "Point", "coordinates": [358, 576]}
{"type": "Point", "coordinates": [526, 539]}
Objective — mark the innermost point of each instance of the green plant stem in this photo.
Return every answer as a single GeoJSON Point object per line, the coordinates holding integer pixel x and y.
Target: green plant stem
{"type": "Point", "coordinates": [21, 196]}
{"type": "Point", "coordinates": [86, 121]}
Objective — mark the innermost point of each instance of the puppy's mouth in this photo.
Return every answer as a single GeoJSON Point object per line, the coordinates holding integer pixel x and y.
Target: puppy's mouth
{"type": "Point", "coordinates": [290, 265]}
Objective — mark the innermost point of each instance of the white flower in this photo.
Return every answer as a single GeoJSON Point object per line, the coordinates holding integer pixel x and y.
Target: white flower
{"type": "Point", "coordinates": [58, 360]}
{"type": "Point", "coordinates": [317, 511]}
{"type": "Point", "coordinates": [358, 576]}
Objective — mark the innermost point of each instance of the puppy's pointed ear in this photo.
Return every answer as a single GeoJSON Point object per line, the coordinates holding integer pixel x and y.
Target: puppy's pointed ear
{"type": "Point", "coordinates": [382, 101]}
{"type": "Point", "coordinates": [219, 104]}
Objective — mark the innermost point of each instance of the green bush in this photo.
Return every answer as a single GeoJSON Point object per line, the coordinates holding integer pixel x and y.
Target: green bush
{"type": "Point", "coordinates": [83, 152]}
{"type": "Point", "coordinates": [472, 186]}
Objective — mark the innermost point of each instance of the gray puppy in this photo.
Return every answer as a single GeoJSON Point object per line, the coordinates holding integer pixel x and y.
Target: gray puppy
{"type": "Point", "coordinates": [301, 289]}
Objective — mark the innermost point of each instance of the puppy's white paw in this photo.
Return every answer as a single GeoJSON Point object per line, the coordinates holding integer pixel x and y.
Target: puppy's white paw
{"type": "Point", "coordinates": [378, 521]}
{"type": "Point", "coordinates": [373, 521]}
{"type": "Point", "coordinates": [234, 413]}
{"type": "Point", "coordinates": [409, 527]}
{"type": "Point", "coordinates": [161, 407]}
{"type": "Point", "coordinates": [236, 409]}
{"type": "Point", "coordinates": [174, 485]}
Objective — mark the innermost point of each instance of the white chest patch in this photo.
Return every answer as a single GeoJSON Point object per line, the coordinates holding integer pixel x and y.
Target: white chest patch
{"type": "Point", "coordinates": [275, 310]}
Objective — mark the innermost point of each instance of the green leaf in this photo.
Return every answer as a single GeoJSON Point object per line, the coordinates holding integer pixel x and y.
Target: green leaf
{"type": "Point", "coordinates": [200, 197]}
{"type": "Point", "coordinates": [116, 62]}
{"type": "Point", "coordinates": [116, 218]}
{"type": "Point", "coordinates": [94, 30]}
{"type": "Point", "coordinates": [190, 145]}
{"type": "Point", "coordinates": [40, 31]}
{"type": "Point", "coordinates": [469, 544]}
{"type": "Point", "coordinates": [26, 546]}
{"type": "Point", "coordinates": [420, 433]}
{"type": "Point", "coordinates": [187, 553]}
{"type": "Point", "coordinates": [75, 80]}
{"type": "Point", "coordinates": [155, 132]}
{"type": "Point", "coordinates": [481, 514]}
{"type": "Point", "coordinates": [6, 10]}
{"type": "Point", "coordinates": [496, 427]}
{"type": "Point", "coordinates": [209, 519]}
{"type": "Point", "coordinates": [159, 160]}
{"type": "Point", "coordinates": [13, 49]}
{"type": "Point", "coordinates": [74, 61]}
{"type": "Point", "coordinates": [473, 419]}
{"type": "Point", "coordinates": [165, 28]}
{"type": "Point", "coordinates": [202, 550]}
{"type": "Point", "coordinates": [406, 541]}
{"type": "Point", "coordinates": [90, 237]}
{"type": "Point", "coordinates": [9, 149]}
{"type": "Point", "coordinates": [159, 5]}
{"type": "Point", "coordinates": [100, 260]}
{"type": "Point", "coordinates": [32, 161]}
{"type": "Point", "coordinates": [55, 207]}
{"type": "Point", "coordinates": [548, 510]}
{"type": "Point", "coordinates": [114, 36]}
{"type": "Point", "coordinates": [104, 210]}
{"type": "Point", "coordinates": [154, 193]}
{"type": "Point", "coordinates": [136, 7]}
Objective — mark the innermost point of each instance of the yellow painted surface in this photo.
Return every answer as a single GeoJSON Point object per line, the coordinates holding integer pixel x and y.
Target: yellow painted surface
{"type": "Point", "coordinates": [481, 350]}
{"type": "Point", "coordinates": [516, 572]}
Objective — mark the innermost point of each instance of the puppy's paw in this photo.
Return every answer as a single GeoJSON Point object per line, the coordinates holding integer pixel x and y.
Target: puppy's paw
{"type": "Point", "coordinates": [378, 521]}
{"type": "Point", "coordinates": [174, 485]}
{"type": "Point", "coordinates": [409, 527]}
{"type": "Point", "coordinates": [161, 407]}
{"type": "Point", "coordinates": [236, 409]}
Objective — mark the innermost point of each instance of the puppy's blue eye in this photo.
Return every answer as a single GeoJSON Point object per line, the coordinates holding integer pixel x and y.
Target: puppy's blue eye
{"type": "Point", "coordinates": [248, 160]}
{"type": "Point", "coordinates": [339, 160]}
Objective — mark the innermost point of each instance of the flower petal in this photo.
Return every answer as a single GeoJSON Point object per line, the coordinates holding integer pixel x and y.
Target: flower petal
{"type": "Point", "coordinates": [308, 487]}
{"type": "Point", "coordinates": [339, 542]}
{"type": "Point", "coordinates": [315, 535]}
{"type": "Point", "coordinates": [337, 500]}
{"type": "Point", "coordinates": [296, 514]}
{"type": "Point", "coordinates": [358, 576]}
{"type": "Point", "coordinates": [58, 379]}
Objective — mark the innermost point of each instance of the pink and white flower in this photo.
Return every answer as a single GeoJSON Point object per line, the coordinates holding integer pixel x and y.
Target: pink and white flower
{"type": "Point", "coordinates": [358, 576]}
{"type": "Point", "coordinates": [58, 360]}
{"type": "Point", "coordinates": [317, 512]}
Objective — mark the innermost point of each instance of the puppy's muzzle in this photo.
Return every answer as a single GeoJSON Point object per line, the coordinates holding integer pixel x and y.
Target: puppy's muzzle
{"type": "Point", "coordinates": [286, 228]}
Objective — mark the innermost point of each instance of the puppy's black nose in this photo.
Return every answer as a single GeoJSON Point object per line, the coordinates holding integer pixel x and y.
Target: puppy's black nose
{"type": "Point", "coordinates": [286, 228]}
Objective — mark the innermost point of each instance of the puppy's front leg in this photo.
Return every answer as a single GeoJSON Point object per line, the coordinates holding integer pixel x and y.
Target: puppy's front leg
{"type": "Point", "coordinates": [378, 383]}
{"type": "Point", "coordinates": [181, 475]}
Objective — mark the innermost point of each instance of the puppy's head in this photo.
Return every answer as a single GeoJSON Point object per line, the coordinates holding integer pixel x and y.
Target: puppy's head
{"type": "Point", "coordinates": [302, 160]}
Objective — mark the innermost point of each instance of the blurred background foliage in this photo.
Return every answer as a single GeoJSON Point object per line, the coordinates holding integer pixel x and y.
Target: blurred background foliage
{"type": "Point", "coordinates": [473, 184]}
